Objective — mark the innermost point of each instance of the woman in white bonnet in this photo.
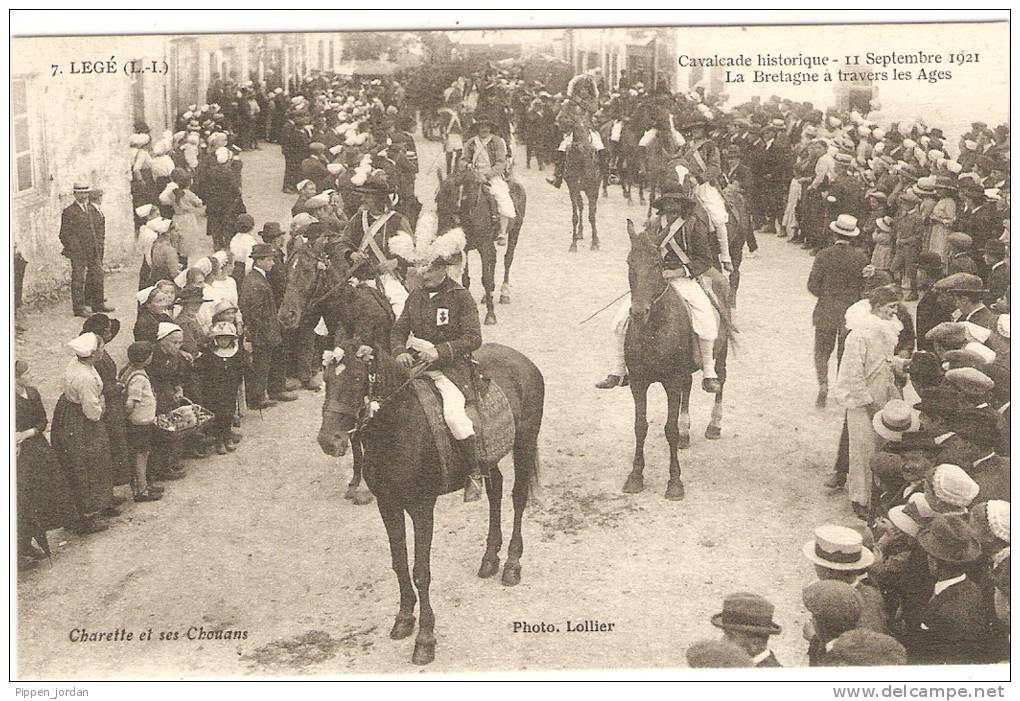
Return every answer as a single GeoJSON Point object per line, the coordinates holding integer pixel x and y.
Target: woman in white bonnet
{"type": "Point", "coordinates": [79, 435]}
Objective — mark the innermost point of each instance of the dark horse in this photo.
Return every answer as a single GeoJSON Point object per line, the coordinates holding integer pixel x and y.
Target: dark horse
{"type": "Point", "coordinates": [583, 174]}
{"type": "Point", "coordinates": [402, 466]}
{"type": "Point", "coordinates": [460, 201]}
{"type": "Point", "coordinates": [317, 286]}
{"type": "Point", "coordinates": [659, 348]}
{"type": "Point", "coordinates": [625, 158]}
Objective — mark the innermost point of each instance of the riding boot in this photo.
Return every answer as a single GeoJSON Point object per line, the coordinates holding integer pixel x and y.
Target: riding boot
{"type": "Point", "coordinates": [710, 381]}
{"type": "Point", "coordinates": [557, 179]}
{"type": "Point", "coordinates": [468, 449]}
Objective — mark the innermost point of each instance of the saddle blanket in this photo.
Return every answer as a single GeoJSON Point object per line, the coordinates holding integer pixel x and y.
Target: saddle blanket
{"type": "Point", "coordinates": [493, 420]}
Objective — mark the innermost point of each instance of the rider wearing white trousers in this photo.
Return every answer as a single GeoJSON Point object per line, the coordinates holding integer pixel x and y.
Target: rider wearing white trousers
{"type": "Point", "coordinates": [686, 254]}
{"type": "Point", "coordinates": [486, 154]}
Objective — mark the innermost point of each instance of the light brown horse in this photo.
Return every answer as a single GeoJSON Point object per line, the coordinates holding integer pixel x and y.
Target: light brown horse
{"type": "Point", "coordinates": [658, 348]}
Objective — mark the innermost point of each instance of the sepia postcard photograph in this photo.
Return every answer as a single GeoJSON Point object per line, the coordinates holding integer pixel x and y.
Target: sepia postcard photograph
{"type": "Point", "coordinates": [484, 345]}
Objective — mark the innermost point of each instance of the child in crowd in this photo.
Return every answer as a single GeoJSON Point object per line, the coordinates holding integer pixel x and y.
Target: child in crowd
{"type": "Point", "coordinates": [140, 406]}
{"type": "Point", "coordinates": [219, 370]}
{"type": "Point", "coordinates": [883, 240]}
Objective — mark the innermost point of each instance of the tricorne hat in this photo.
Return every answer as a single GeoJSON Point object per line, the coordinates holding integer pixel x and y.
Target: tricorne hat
{"type": "Point", "coordinates": [748, 613]}
{"type": "Point", "coordinates": [670, 194]}
{"type": "Point", "coordinates": [838, 548]}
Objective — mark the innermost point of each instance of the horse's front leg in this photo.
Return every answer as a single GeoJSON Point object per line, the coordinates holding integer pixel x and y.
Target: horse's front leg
{"type": "Point", "coordinates": [354, 493]}
{"type": "Point", "coordinates": [508, 260]}
{"type": "Point", "coordinates": [674, 394]}
{"type": "Point", "coordinates": [685, 411]}
{"type": "Point", "coordinates": [494, 540]}
{"type": "Point", "coordinates": [714, 429]}
{"type": "Point", "coordinates": [512, 569]}
{"type": "Point", "coordinates": [636, 479]}
{"type": "Point", "coordinates": [488, 254]}
{"type": "Point", "coordinates": [392, 513]}
{"type": "Point", "coordinates": [574, 217]}
{"type": "Point", "coordinates": [422, 516]}
{"type": "Point", "coordinates": [593, 206]}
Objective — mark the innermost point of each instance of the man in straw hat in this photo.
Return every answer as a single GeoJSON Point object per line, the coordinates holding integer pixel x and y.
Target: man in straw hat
{"type": "Point", "coordinates": [838, 554]}
{"type": "Point", "coordinates": [836, 281]}
{"type": "Point", "coordinates": [746, 621]}
{"type": "Point", "coordinates": [440, 327]}
{"type": "Point", "coordinates": [83, 235]}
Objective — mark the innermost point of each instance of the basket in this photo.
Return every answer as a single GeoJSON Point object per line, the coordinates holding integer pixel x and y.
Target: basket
{"type": "Point", "coordinates": [184, 420]}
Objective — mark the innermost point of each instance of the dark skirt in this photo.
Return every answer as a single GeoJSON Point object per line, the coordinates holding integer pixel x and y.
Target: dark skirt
{"type": "Point", "coordinates": [44, 495]}
{"type": "Point", "coordinates": [83, 449]}
{"type": "Point", "coordinates": [115, 419]}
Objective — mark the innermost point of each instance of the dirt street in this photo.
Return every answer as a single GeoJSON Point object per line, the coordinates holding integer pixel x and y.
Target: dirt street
{"type": "Point", "coordinates": [262, 541]}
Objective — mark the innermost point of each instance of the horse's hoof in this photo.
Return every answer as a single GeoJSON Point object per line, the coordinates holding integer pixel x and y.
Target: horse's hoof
{"type": "Point", "coordinates": [713, 432]}
{"type": "Point", "coordinates": [635, 484]}
{"type": "Point", "coordinates": [685, 442]}
{"type": "Point", "coordinates": [363, 497]}
{"type": "Point", "coordinates": [675, 490]}
{"type": "Point", "coordinates": [402, 627]}
{"type": "Point", "coordinates": [595, 246]}
{"type": "Point", "coordinates": [424, 652]}
{"type": "Point", "coordinates": [573, 247]}
{"type": "Point", "coordinates": [490, 566]}
{"type": "Point", "coordinates": [351, 492]}
{"type": "Point", "coordinates": [490, 319]}
{"type": "Point", "coordinates": [504, 299]}
{"type": "Point", "coordinates": [512, 574]}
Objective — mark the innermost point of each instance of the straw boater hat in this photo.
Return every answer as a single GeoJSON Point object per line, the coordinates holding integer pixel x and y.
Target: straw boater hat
{"type": "Point", "coordinates": [838, 548]}
{"type": "Point", "coordinates": [747, 613]}
{"type": "Point", "coordinates": [845, 225]}
{"type": "Point", "coordinates": [894, 419]}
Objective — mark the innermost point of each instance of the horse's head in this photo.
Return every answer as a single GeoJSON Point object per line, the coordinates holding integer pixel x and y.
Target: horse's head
{"type": "Point", "coordinates": [304, 273]}
{"type": "Point", "coordinates": [448, 199]}
{"type": "Point", "coordinates": [349, 372]}
{"type": "Point", "coordinates": [644, 273]}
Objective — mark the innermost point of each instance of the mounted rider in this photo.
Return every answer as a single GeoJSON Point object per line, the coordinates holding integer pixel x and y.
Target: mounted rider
{"type": "Point", "coordinates": [486, 155]}
{"type": "Point", "coordinates": [681, 230]}
{"type": "Point", "coordinates": [700, 157]}
{"type": "Point", "coordinates": [382, 268]}
{"type": "Point", "coordinates": [579, 110]}
{"type": "Point", "coordinates": [440, 327]}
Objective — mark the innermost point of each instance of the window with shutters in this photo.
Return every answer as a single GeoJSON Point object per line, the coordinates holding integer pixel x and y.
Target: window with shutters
{"type": "Point", "coordinates": [24, 162]}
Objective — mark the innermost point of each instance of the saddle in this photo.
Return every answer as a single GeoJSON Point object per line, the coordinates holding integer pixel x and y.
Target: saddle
{"type": "Point", "coordinates": [492, 417]}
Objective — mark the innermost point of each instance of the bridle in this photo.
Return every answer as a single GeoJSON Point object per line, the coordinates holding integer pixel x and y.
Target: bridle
{"type": "Point", "coordinates": [373, 402]}
{"type": "Point", "coordinates": [322, 262]}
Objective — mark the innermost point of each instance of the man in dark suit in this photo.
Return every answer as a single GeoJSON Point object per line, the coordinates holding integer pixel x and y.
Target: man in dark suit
{"type": "Point", "coordinates": [775, 166]}
{"type": "Point", "coordinates": [933, 307]}
{"type": "Point", "coordinates": [746, 621]}
{"type": "Point", "coordinates": [264, 336]}
{"type": "Point", "coordinates": [997, 281]}
{"type": "Point", "coordinates": [314, 167]}
{"type": "Point", "coordinates": [967, 292]}
{"type": "Point", "coordinates": [837, 282]}
{"type": "Point", "coordinates": [954, 625]}
{"type": "Point", "coordinates": [83, 235]}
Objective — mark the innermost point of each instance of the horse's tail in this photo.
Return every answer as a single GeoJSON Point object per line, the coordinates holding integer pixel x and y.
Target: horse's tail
{"type": "Point", "coordinates": [535, 483]}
